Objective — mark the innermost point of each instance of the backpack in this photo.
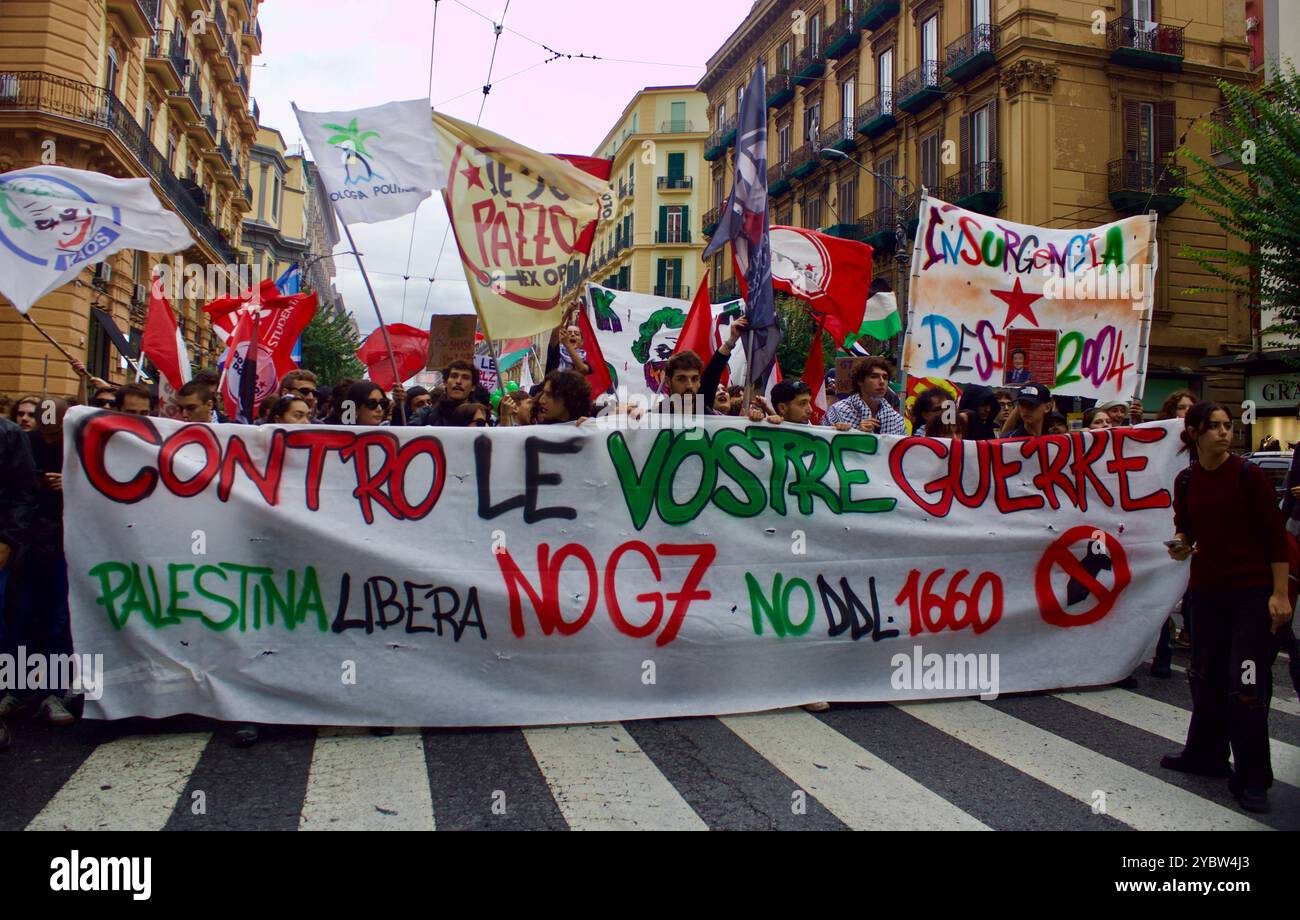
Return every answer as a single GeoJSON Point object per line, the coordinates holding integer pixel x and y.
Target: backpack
{"type": "Point", "coordinates": [1292, 545]}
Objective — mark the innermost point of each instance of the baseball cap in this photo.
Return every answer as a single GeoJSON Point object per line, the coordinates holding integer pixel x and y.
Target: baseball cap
{"type": "Point", "coordinates": [1035, 394]}
{"type": "Point", "coordinates": [1112, 404]}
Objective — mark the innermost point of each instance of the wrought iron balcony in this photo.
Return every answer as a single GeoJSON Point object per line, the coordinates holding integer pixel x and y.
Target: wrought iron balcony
{"type": "Point", "coordinates": [720, 140]}
{"type": "Point", "coordinates": [804, 162]}
{"type": "Point", "coordinates": [253, 32]}
{"type": "Point", "coordinates": [725, 291]}
{"type": "Point", "coordinates": [139, 16]}
{"type": "Point", "coordinates": [876, 116]}
{"type": "Point", "coordinates": [675, 183]}
{"type": "Point", "coordinates": [778, 179]}
{"type": "Point", "coordinates": [677, 127]}
{"type": "Point", "coordinates": [840, 136]}
{"type": "Point", "coordinates": [241, 80]}
{"type": "Point", "coordinates": [677, 291]}
{"type": "Point", "coordinates": [973, 53]}
{"type": "Point", "coordinates": [219, 17]}
{"type": "Point", "coordinates": [209, 122]}
{"type": "Point", "coordinates": [978, 188]}
{"type": "Point", "coordinates": [681, 236]}
{"type": "Point", "coordinates": [919, 87]}
{"type": "Point", "coordinates": [44, 94]}
{"type": "Point", "coordinates": [810, 62]}
{"type": "Point", "coordinates": [780, 90]}
{"type": "Point", "coordinates": [1138, 43]}
{"type": "Point", "coordinates": [879, 229]}
{"type": "Point", "coordinates": [709, 223]}
{"type": "Point", "coordinates": [875, 13]}
{"type": "Point", "coordinates": [1136, 186]}
{"type": "Point", "coordinates": [189, 98]}
{"type": "Point", "coordinates": [841, 36]}
{"type": "Point", "coordinates": [256, 112]}
{"type": "Point", "coordinates": [166, 60]}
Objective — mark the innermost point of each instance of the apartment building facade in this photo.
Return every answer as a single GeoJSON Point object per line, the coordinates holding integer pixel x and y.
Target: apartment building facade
{"type": "Point", "coordinates": [1050, 112]}
{"type": "Point", "coordinates": [129, 88]}
{"type": "Point", "coordinates": [652, 243]}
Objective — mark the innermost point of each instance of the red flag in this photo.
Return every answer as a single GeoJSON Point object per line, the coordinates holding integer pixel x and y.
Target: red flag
{"type": "Point", "coordinates": [410, 349]}
{"type": "Point", "coordinates": [814, 374]}
{"type": "Point", "coordinates": [163, 342]}
{"type": "Point", "coordinates": [831, 274]}
{"type": "Point", "coordinates": [599, 378]}
{"type": "Point", "coordinates": [223, 305]}
{"type": "Point", "coordinates": [273, 356]}
{"type": "Point", "coordinates": [697, 334]}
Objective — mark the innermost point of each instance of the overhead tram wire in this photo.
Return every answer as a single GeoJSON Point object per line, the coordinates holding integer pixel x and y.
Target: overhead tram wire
{"type": "Point", "coordinates": [497, 29]}
{"type": "Point", "coordinates": [415, 218]}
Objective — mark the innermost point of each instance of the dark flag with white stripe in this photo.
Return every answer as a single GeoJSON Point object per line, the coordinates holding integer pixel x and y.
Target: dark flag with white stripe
{"type": "Point", "coordinates": [744, 223]}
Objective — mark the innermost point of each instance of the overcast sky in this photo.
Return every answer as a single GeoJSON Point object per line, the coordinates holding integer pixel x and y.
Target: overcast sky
{"type": "Point", "coordinates": [329, 55]}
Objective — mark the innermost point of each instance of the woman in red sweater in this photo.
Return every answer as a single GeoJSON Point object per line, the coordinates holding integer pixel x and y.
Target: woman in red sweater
{"type": "Point", "coordinates": [1227, 521]}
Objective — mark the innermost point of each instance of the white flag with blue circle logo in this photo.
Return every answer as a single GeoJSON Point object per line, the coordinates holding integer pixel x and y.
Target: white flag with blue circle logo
{"type": "Point", "coordinates": [56, 221]}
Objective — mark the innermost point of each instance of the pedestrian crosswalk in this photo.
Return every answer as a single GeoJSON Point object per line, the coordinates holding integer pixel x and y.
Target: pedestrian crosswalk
{"type": "Point", "coordinates": [1071, 759]}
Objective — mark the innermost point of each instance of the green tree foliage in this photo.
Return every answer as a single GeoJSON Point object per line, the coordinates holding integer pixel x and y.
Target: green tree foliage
{"type": "Point", "coordinates": [329, 347]}
{"type": "Point", "coordinates": [799, 324]}
{"type": "Point", "coordinates": [1255, 198]}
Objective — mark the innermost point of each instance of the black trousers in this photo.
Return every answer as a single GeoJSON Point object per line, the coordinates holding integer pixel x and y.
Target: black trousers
{"type": "Point", "coordinates": [1232, 682]}
{"type": "Point", "coordinates": [1164, 646]}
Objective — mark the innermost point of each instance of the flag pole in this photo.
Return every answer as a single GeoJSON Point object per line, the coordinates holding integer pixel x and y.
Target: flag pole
{"type": "Point", "coordinates": [388, 345]}
{"type": "Point", "coordinates": [37, 326]}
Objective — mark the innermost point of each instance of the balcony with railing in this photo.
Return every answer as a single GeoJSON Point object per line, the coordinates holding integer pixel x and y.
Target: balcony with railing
{"type": "Point", "coordinates": [219, 17]}
{"type": "Point", "coordinates": [1225, 138]}
{"type": "Point", "coordinates": [978, 188]}
{"type": "Point", "coordinates": [778, 179]}
{"type": "Point", "coordinates": [780, 90]}
{"type": "Point", "coordinates": [840, 136]}
{"type": "Point", "coordinates": [138, 16]}
{"type": "Point", "coordinates": [1139, 43]}
{"type": "Point", "coordinates": [1138, 186]}
{"type": "Point", "coordinates": [876, 116]}
{"type": "Point", "coordinates": [709, 222]}
{"type": "Point", "coordinates": [232, 53]}
{"type": "Point", "coordinates": [810, 62]}
{"type": "Point", "coordinates": [804, 162]}
{"type": "Point", "coordinates": [973, 53]}
{"type": "Point", "coordinates": [677, 127]}
{"type": "Point", "coordinates": [720, 140]}
{"type": "Point", "coordinates": [44, 94]}
{"type": "Point", "coordinates": [875, 13]}
{"type": "Point", "coordinates": [919, 87]}
{"type": "Point", "coordinates": [165, 61]}
{"type": "Point", "coordinates": [680, 236]}
{"type": "Point", "coordinates": [188, 99]}
{"type": "Point", "coordinates": [209, 124]}
{"type": "Point", "coordinates": [676, 291]}
{"type": "Point", "coordinates": [725, 291]}
{"type": "Point", "coordinates": [256, 112]}
{"type": "Point", "coordinates": [675, 183]}
{"type": "Point", "coordinates": [841, 36]}
{"type": "Point", "coordinates": [241, 80]}
{"type": "Point", "coordinates": [253, 35]}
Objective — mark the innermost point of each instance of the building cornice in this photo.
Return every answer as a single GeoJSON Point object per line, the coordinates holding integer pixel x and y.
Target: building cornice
{"type": "Point", "coordinates": [760, 19]}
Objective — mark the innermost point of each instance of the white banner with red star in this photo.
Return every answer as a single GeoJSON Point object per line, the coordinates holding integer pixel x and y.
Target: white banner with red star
{"type": "Point", "coordinates": [1002, 304]}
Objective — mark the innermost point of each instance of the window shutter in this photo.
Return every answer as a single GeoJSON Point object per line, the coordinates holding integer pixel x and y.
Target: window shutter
{"type": "Point", "coordinates": [1166, 129]}
{"type": "Point", "coordinates": [676, 165]}
{"type": "Point", "coordinates": [663, 223]}
{"type": "Point", "coordinates": [686, 222]}
{"type": "Point", "coordinates": [965, 143]}
{"type": "Point", "coordinates": [1130, 130]}
{"type": "Point", "coordinates": [663, 266]}
{"type": "Point", "coordinates": [677, 277]}
{"type": "Point", "coordinates": [993, 129]}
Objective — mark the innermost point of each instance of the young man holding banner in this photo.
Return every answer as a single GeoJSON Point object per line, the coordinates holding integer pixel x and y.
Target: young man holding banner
{"type": "Point", "coordinates": [868, 409]}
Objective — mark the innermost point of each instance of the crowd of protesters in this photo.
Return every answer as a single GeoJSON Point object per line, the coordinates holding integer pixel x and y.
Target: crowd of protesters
{"type": "Point", "coordinates": [1227, 520]}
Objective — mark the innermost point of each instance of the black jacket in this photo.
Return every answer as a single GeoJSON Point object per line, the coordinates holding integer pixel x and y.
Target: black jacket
{"type": "Point", "coordinates": [18, 484]}
{"type": "Point", "coordinates": [440, 412]}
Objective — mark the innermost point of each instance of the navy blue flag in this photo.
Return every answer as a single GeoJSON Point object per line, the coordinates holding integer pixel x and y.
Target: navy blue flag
{"type": "Point", "coordinates": [744, 223]}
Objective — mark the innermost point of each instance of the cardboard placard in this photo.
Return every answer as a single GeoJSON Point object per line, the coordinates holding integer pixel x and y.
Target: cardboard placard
{"type": "Point", "coordinates": [451, 338]}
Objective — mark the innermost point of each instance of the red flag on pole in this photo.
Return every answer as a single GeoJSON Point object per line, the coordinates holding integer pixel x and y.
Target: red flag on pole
{"type": "Point", "coordinates": [600, 380]}
{"type": "Point", "coordinates": [814, 374]}
{"type": "Point", "coordinates": [163, 341]}
{"type": "Point", "coordinates": [697, 334]}
{"type": "Point", "coordinates": [410, 349]}
{"type": "Point", "coordinates": [272, 358]}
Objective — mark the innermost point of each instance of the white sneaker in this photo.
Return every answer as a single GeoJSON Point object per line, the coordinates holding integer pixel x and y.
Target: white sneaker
{"type": "Point", "coordinates": [9, 704]}
{"type": "Point", "coordinates": [53, 711]}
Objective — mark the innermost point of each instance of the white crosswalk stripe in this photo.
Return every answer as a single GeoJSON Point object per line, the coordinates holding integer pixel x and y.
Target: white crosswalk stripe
{"type": "Point", "coordinates": [360, 782]}
{"type": "Point", "coordinates": [1160, 718]}
{"type": "Point", "coordinates": [1139, 800]}
{"type": "Point", "coordinates": [598, 777]}
{"type": "Point", "coordinates": [129, 784]}
{"type": "Point", "coordinates": [602, 780]}
{"type": "Point", "coordinates": [856, 786]}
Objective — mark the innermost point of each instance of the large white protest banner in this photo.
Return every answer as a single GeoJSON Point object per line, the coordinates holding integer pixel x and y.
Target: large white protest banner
{"type": "Point", "coordinates": [638, 333]}
{"type": "Point", "coordinates": [998, 303]}
{"type": "Point", "coordinates": [418, 576]}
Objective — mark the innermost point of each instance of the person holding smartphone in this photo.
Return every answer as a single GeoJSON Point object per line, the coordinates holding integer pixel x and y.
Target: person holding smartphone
{"type": "Point", "coordinates": [1227, 522]}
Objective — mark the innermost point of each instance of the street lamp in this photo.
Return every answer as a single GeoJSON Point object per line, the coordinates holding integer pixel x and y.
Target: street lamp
{"type": "Point", "coordinates": [902, 252]}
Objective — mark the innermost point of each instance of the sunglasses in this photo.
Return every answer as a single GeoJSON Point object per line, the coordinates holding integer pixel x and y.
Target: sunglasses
{"type": "Point", "coordinates": [306, 392]}
{"type": "Point", "coordinates": [373, 404]}
{"type": "Point", "coordinates": [103, 403]}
